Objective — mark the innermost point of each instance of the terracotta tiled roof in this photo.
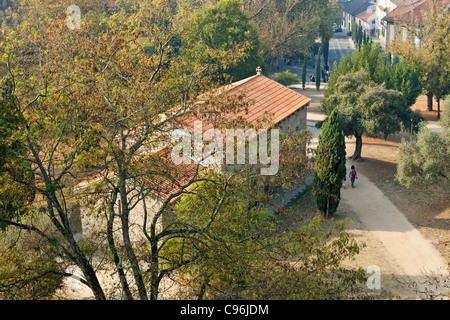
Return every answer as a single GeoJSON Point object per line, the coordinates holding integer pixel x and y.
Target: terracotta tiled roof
{"type": "Point", "coordinates": [94, 179]}
{"type": "Point", "coordinates": [165, 179]}
{"type": "Point", "coordinates": [404, 2]}
{"type": "Point", "coordinates": [267, 97]}
{"type": "Point", "coordinates": [169, 177]}
{"type": "Point", "coordinates": [412, 13]}
{"type": "Point", "coordinates": [368, 15]}
{"type": "Point", "coordinates": [270, 96]}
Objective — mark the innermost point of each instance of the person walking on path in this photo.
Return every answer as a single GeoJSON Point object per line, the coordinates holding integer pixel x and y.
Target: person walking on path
{"type": "Point", "coordinates": [353, 176]}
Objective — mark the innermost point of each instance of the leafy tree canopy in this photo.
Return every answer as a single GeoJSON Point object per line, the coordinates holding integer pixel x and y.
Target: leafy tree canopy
{"type": "Point", "coordinates": [367, 108]}
{"type": "Point", "coordinates": [398, 75]}
{"type": "Point", "coordinates": [432, 56]}
{"type": "Point", "coordinates": [222, 27]}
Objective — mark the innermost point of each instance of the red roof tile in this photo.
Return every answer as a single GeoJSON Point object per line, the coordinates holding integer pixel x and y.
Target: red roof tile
{"type": "Point", "coordinates": [266, 97]}
{"type": "Point", "coordinates": [412, 13]}
{"type": "Point", "coordinates": [406, 13]}
{"type": "Point", "coordinates": [367, 15]}
{"type": "Point", "coordinates": [404, 2]}
{"type": "Point", "coordinates": [168, 178]}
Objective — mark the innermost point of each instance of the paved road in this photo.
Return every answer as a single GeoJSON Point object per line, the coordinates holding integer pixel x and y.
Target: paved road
{"type": "Point", "coordinates": [435, 127]}
{"type": "Point", "coordinates": [339, 45]}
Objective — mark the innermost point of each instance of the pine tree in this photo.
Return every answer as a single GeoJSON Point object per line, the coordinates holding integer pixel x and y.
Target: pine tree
{"type": "Point", "coordinates": [330, 165]}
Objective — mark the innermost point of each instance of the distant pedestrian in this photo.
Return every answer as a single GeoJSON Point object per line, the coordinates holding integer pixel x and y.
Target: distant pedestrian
{"type": "Point", "coordinates": [353, 176]}
{"type": "Point", "coordinates": [343, 181]}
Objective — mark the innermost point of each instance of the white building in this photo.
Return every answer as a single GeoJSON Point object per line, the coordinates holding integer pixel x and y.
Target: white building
{"type": "Point", "coordinates": [406, 20]}
{"type": "Point", "coordinates": [370, 14]}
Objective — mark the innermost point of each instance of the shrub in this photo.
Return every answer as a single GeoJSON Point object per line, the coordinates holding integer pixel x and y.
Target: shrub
{"type": "Point", "coordinates": [426, 160]}
{"type": "Point", "coordinates": [286, 78]}
{"type": "Point", "coordinates": [445, 117]}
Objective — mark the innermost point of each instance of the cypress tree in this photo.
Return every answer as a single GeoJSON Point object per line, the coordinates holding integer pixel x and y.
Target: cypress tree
{"type": "Point", "coordinates": [354, 30]}
{"type": "Point", "coordinates": [304, 71]}
{"type": "Point", "coordinates": [330, 165]}
{"type": "Point", "coordinates": [318, 71]}
{"type": "Point", "coordinates": [326, 50]}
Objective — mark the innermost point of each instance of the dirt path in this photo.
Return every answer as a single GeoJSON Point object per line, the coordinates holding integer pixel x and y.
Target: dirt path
{"type": "Point", "coordinates": [394, 243]}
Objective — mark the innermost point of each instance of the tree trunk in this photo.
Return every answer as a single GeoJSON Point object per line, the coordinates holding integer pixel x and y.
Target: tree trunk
{"type": "Point", "coordinates": [430, 101]}
{"type": "Point", "coordinates": [304, 72]}
{"type": "Point", "coordinates": [439, 108]}
{"type": "Point", "coordinates": [79, 256]}
{"type": "Point", "coordinates": [91, 278]}
{"type": "Point", "coordinates": [124, 215]}
{"type": "Point", "coordinates": [357, 154]}
{"type": "Point", "coordinates": [154, 267]}
{"type": "Point", "coordinates": [112, 247]}
{"type": "Point", "coordinates": [130, 251]}
{"type": "Point", "coordinates": [201, 294]}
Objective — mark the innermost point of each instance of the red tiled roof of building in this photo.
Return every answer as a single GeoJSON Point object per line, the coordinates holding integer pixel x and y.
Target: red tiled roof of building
{"type": "Point", "coordinates": [165, 179]}
{"type": "Point", "coordinates": [406, 13]}
{"type": "Point", "coordinates": [270, 96]}
{"type": "Point", "coordinates": [367, 15]}
{"type": "Point", "coordinates": [412, 13]}
{"type": "Point", "coordinates": [266, 97]}
{"type": "Point", "coordinates": [93, 179]}
{"type": "Point", "coordinates": [168, 178]}
{"type": "Point", "coordinates": [404, 2]}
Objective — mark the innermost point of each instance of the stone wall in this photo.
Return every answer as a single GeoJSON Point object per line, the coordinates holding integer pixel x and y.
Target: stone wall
{"type": "Point", "coordinates": [296, 121]}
